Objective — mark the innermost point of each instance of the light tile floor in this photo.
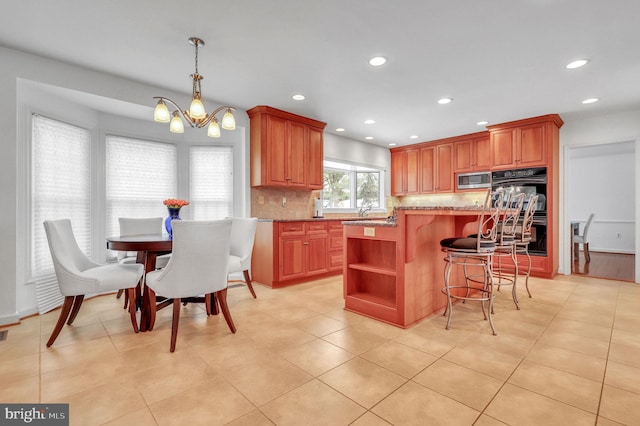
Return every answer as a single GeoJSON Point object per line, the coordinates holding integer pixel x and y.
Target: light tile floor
{"type": "Point", "coordinates": [570, 356]}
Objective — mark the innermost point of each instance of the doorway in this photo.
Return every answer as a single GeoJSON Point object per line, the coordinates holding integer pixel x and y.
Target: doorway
{"type": "Point", "coordinates": [601, 180]}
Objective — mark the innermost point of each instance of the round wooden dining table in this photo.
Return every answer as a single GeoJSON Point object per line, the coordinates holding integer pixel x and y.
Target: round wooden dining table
{"type": "Point", "coordinates": [148, 248]}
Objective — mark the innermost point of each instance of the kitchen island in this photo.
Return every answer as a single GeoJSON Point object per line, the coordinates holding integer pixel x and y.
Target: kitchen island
{"type": "Point", "coordinates": [393, 272]}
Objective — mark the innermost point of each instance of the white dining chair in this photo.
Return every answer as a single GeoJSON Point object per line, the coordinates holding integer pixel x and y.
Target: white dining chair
{"type": "Point", "coordinates": [139, 226]}
{"type": "Point", "coordinates": [198, 266]}
{"type": "Point", "coordinates": [243, 235]}
{"type": "Point", "coordinates": [583, 239]}
{"type": "Point", "coordinates": [78, 275]}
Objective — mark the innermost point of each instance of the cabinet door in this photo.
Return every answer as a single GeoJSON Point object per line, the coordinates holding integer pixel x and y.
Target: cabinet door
{"type": "Point", "coordinates": [482, 154]}
{"type": "Point", "coordinates": [463, 156]}
{"type": "Point", "coordinates": [315, 157]}
{"type": "Point", "coordinates": [531, 146]}
{"type": "Point", "coordinates": [316, 254]}
{"type": "Point", "coordinates": [503, 148]}
{"type": "Point", "coordinates": [444, 168]}
{"type": "Point", "coordinates": [398, 170]}
{"type": "Point", "coordinates": [413, 172]}
{"type": "Point", "coordinates": [292, 251]}
{"type": "Point", "coordinates": [427, 164]}
{"type": "Point", "coordinates": [297, 141]}
{"type": "Point", "coordinates": [276, 151]}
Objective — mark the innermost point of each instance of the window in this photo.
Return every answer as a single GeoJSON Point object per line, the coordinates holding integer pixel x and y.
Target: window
{"type": "Point", "coordinates": [60, 186]}
{"type": "Point", "coordinates": [348, 186]}
{"type": "Point", "coordinates": [211, 182]}
{"type": "Point", "coordinates": [139, 176]}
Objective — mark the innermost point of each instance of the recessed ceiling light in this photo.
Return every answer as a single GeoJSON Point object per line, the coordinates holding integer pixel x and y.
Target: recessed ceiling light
{"type": "Point", "coordinates": [376, 61]}
{"type": "Point", "coordinates": [393, 144]}
{"type": "Point", "coordinates": [339, 129]}
{"type": "Point", "coordinates": [577, 63]}
{"type": "Point", "coordinates": [413, 137]}
{"type": "Point", "coordinates": [369, 138]}
{"type": "Point", "coordinates": [590, 100]}
{"type": "Point", "coordinates": [298, 97]}
{"type": "Point", "coordinates": [444, 101]}
{"type": "Point", "coordinates": [482, 123]}
{"type": "Point", "coordinates": [369, 121]}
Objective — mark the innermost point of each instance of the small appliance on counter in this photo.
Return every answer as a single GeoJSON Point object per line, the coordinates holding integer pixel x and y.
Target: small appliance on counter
{"type": "Point", "coordinates": [317, 208]}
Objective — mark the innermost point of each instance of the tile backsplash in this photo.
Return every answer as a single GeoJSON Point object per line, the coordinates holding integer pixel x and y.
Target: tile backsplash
{"type": "Point", "coordinates": [277, 203]}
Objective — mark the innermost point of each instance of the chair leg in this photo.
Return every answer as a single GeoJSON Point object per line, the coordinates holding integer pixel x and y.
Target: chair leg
{"type": "Point", "coordinates": [148, 310]}
{"type": "Point", "coordinates": [247, 279]}
{"type": "Point", "coordinates": [174, 323]}
{"type": "Point", "coordinates": [587, 256]}
{"type": "Point", "coordinates": [132, 308]}
{"type": "Point", "coordinates": [76, 308]}
{"type": "Point", "coordinates": [119, 295]}
{"type": "Point", "coordinates": [64, 313]}
{"type": "Point", "coordinates": [221, 296]}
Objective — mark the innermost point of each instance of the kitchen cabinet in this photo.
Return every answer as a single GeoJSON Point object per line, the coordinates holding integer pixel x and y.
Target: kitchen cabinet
{"type": "Point", "coordinates": [534, 142]}
{"type": "Point", "coordinates": [422, 169]}
{"type": "Point", "coordinates": [437, 169]}
{"type": "Point", "coordinates": [519, 146]}
{"type": "Point", "coordinates": [405, 172]}
{"type": "Point", "coordinates": [472, 154]}
{"type": "Point", "coordinates": [290, 252]}
{"type": "Point", "coordinates": [335, 250]}
{"type": "Point", "coordinates": [286, 149]}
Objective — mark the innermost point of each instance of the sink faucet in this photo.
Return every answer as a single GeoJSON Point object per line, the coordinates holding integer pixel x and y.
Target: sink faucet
{"type": "Point", "coordinates": [364, 211]}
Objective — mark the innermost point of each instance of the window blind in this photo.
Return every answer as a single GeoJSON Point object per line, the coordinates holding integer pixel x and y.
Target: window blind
{"type": "Point", "coordinates": [60, 188]}
{"type": "Point", "coordinates": [211, 182]}
{"type": "Point", "coordinates": [139, 176]}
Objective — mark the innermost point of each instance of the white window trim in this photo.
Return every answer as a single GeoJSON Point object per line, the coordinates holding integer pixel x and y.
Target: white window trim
{"type": "Point", "coordinates": [382, 171]}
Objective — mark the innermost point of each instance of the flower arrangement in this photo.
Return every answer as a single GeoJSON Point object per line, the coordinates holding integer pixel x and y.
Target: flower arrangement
{"type": "Point", "coordinates": [173, 203]}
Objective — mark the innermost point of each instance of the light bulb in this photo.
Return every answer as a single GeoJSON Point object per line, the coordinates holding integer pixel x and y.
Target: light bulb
{"type": "Point", "coordinates": [213, 131]}
{"type": "Point", "coordinates": [161, 113]}
{"type": "Point", "coordinates": [228, 121]}
{"type": "Point", "coordinates": [196, 110]}
{"type": "Point", "coordinates": [176, 125]}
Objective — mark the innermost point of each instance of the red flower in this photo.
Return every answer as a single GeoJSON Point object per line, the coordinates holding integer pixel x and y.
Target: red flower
{"type": "Point", "coordinates": [173, 203]}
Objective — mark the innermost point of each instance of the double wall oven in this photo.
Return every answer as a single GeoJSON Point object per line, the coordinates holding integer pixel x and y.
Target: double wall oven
{"type": "Point", "coordinates": [529, 181]}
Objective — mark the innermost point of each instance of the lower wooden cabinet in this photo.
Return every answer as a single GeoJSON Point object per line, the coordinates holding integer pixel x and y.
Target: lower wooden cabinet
{"type": "Point", "coordinates": [292, 252]}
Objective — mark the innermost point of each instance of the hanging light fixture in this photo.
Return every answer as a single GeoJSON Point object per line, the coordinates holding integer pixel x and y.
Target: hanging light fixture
{"type": "Point", "coordinates": [196, 116]}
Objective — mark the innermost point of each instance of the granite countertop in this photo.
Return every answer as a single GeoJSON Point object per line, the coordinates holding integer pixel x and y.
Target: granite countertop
{"type": "Point", "coordinates": [470, 207]}
{"type": "Point", "coordinates": [316, 219]}
{"type": "Point", "coordinates": [376, 222]}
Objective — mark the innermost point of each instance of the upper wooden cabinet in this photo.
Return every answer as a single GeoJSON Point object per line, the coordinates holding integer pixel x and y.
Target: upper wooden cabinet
{"type": "Point", "coordinates": [524, 143]}
{"type": "Point", "coordinates": [472, 154]}
{"type": "Point", "coordinates": [405, 172]}
{"type": "Point", "coordinates": [286, 149]}
{"type": "Point", "coordinates": [436, 165]}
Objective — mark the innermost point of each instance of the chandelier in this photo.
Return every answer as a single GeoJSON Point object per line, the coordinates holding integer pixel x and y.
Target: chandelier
{"type": "Point", "coordinates": [196, 116]}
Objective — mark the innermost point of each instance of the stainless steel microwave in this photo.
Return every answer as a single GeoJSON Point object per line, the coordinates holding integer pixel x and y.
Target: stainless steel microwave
{"type": "Point", "coordinates": [473, 180]}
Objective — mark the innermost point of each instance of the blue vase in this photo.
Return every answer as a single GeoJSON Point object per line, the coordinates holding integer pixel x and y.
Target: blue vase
{"type": "Point", "coordinates": [174, 214]}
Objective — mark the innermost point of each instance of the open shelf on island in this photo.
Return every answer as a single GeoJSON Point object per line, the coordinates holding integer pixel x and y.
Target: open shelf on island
{"type": "Point", "coordinates": [373, 268]}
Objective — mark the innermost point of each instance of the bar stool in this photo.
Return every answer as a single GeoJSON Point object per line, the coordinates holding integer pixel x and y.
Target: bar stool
{"type": "Point", "coordinates": [506, 243]}
{"type": "Point", "coordinates": [474, 254]}
{"type": "Point", "coordinates": [523, 236]}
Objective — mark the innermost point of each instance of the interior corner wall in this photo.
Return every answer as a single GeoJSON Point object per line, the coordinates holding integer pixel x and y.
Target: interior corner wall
{"type": "Point", "coordinates": [8, 173]}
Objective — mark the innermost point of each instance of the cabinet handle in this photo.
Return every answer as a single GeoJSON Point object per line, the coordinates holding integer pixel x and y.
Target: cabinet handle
{"type": "Point", "coordinates": [306, 243]}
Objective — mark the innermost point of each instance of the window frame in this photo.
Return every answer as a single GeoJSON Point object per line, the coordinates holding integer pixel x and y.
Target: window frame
{"type": "Point", "coordinates": [353, 170]}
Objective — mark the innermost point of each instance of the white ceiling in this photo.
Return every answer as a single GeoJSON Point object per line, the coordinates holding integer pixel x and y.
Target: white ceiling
{"type": "Point", "coordinates": [500, 60]}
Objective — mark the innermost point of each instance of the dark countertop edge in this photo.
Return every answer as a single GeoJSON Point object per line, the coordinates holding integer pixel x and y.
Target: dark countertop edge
{"type": "Point", "coordinates": [472, 208]}
{"type": "Point", "coordinates": [325, 219]}
{"type": "Point", "coordinates": [370, 223]}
